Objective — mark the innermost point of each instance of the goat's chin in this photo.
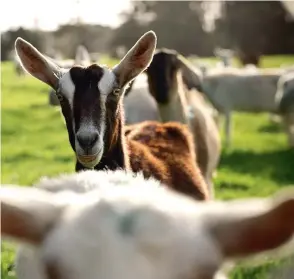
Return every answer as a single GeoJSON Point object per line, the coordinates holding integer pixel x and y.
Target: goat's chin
{"type": "Point", "coordinates": [89, 161]}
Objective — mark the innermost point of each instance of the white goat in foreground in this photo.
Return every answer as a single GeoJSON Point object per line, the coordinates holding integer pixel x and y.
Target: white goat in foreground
{"type": "Point", "coordinates": [118, 225]}
{"type": "Point", "coordinates": [285, 103]}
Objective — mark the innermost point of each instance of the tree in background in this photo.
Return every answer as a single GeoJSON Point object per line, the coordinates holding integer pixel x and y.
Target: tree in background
{"type": "Point", "coordinates": [178, 25]}
{"type": "Point", "coordinates": [251, 28]}
{"type": "Point", "coordinates": [8, 38]}
{"type": "Point", "coordinates": [255, 27]}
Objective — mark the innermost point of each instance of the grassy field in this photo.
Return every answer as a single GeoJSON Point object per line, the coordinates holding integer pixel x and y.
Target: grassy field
{"type": "Point", "coordinates": [35, 143]}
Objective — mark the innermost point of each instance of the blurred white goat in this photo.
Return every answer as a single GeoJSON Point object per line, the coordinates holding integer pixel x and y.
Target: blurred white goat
{"type": "Point", "coordinates": [97, 224]}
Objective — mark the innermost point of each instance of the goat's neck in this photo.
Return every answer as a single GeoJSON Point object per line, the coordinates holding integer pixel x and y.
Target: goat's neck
{"type": "Point", "coordinates": [177, 109]}
{"type": "Point", "coordinates": [116, 153]}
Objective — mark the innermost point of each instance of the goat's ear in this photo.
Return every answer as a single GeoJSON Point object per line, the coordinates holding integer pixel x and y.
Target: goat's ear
{"type": "Point", "coordinates": [36, 64]}
{"type": "Point", "coordinates": [27, 213]}
{"type": "Point", "coordinates": [82, 56]}
{"type": "Point", "coordinates": [254, 226]}
{"type": "Point", "coordinates": [192, 76]}
{"type": "Point", "coordinates": [137, 59]}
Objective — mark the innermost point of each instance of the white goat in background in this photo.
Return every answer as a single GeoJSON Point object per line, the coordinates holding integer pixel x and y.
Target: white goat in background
{"type": "Point", "coordinates": [99, 224]}
{"type": "Point", "coordinates": [225, 55]}
{"type": "Point", "coordinates": [285, 103]}
{"type": "Point", "coordinates": [139, 106]}
{"type": "Point", "coordinates": [233, 89]}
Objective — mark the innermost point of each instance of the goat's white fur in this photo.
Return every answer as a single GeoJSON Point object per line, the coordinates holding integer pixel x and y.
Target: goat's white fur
{"type": "Point", "coordinates": [105, 84]}
{"type": "Point", "coordinates": [139, 106]}
{"type": "Point", "coordinates": [232, 89]}
{"type": "Point", "coordinates": [109, 224]}
{"type": "Point", "coordinates": [285, 102]}
{"type": "Point", "coordinates": [82, 58]}
{"type": "Point", "coordinates": [67, 87]}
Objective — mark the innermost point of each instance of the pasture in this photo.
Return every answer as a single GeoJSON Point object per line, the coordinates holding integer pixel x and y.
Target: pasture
{"type": "Point", "coordinates": [35, 143]}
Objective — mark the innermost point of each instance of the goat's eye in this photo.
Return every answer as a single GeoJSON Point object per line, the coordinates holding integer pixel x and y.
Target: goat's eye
{"type": "Point", "coordinates": [116, 91]}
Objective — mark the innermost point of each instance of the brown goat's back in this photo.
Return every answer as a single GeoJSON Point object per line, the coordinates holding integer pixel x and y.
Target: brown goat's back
{"type": "Point", "coordinates": [166, 152]}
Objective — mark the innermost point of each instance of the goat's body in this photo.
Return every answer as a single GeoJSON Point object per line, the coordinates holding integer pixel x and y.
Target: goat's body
{"type": "Point", "coordinates": [206, 138]}
{"type": "Point", "coordinates": [166, 152]}
{"type": "Point", "coordinates": [244, 93]}
{"type": "Point", "coordinates": [236, 90]}
{"type": "Point", "coordinates": [285, 104]}
{"type": "Point", "coordinates": [177, 101]}
{"type": "Point", "coordinates": [139, 105]}
{"type": "Point", "coordinates": [132, 224]}
{"type": "Point", "coordinates": [105, 224]}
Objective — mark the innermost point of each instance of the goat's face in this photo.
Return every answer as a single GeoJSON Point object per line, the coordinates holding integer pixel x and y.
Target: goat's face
{"type": "Point", "coordinates": [90, 97]}
{"type": "Point", "coordinates": [122, 224]}
{"type": "Point", "coordinates": [162, 76]}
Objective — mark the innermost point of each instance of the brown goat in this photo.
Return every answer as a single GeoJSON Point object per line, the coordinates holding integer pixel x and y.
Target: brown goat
{"type": "Point", "coordinates": [91, 102]}
{"type": "Point", "coordinates": [178, 102]}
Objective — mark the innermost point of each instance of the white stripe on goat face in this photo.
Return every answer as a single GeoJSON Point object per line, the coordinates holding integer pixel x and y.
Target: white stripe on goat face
{"type": "Point", "coordinates": [67, 87]}
{"type": "Point", "coordinates": [105, 85]}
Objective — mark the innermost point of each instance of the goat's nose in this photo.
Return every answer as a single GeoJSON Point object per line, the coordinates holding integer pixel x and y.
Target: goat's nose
{"type": "Point", "coordinates": [88, 140]}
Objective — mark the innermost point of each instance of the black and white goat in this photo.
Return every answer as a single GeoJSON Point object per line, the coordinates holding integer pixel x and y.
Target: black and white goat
{"type": "Point", "coordinates": [92, 104]}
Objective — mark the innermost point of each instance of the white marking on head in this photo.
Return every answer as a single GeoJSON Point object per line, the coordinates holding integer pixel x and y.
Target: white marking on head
{"type": "Point", "coordinates": [107, 82]}
{"type": "Point", "coordinates": [105, 85]}
{"type": "Point", "coordinates": [67, 87]}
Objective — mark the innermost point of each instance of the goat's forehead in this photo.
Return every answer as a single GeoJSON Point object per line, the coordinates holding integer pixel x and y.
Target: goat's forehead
{"type": "Point", "coordinates": [107, 81]}
{"type": "Point", "coordinates": [78, 77]}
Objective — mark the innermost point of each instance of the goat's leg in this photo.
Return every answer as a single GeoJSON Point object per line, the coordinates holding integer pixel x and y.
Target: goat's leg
{"type": "Point", "coordinates": [228, 127]}
{"type": "Point", "coordinates": [274, 118]}
{"type": "Point", "coordinates": [289, 125]}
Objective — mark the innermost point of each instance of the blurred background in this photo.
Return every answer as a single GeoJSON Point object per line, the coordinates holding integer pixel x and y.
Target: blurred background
{"type": "Point", "coordinates": [190, 27]}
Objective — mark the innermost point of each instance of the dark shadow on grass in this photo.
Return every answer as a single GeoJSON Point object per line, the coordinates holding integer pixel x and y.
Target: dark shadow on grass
{"type": "Point", "coordinates": [278, 165]}
{"type": "Point", "coordinates": [271, 128]}
{"type": "Point", "coordinates": [27, 156]}
{"type": "Point", "coordinates": [232, 186]}
{"type": "Point", "coordinates": [39, 106]}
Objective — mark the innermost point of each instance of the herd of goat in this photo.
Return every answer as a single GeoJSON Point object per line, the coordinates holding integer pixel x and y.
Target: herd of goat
{"type": "Point", "coordinates": [146, 138]}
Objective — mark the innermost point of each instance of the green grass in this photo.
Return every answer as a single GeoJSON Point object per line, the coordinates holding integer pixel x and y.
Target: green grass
{"type": "Point", "coordinates": [265, 61]}
{"type": "Point", "coordinates": [35, 143]}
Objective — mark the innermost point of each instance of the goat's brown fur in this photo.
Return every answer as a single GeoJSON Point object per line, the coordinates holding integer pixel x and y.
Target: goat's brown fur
{"type": "Point", "coordinates": [168, 153]}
